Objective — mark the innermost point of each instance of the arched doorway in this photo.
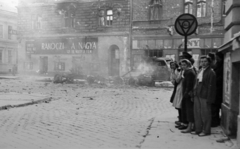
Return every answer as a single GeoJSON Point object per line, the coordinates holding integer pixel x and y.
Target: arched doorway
{"type": "Point", "coordinates": [114, 60]}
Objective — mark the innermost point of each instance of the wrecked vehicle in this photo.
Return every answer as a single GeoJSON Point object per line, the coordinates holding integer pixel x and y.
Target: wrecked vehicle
{"type": "Point", "coordinates": [150, 71]}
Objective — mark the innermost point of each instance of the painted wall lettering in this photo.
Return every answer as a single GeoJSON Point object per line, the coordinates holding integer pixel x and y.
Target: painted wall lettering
{"type": "Point", "coordinates": [75, 45]}
{"type": "Point", "coordinates": [52, 46]}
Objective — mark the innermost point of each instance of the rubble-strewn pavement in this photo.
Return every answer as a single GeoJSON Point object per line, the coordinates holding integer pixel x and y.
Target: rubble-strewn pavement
{"type": "Point", "coordinates": [79, 116]}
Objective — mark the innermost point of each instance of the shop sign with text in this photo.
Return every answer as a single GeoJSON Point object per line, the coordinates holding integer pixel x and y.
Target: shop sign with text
{"type": "Point", "coordinates": [62, 46]}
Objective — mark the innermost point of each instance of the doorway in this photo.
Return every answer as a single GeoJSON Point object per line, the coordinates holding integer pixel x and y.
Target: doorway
{"type": "Point", "coordinates": [114, 61]}
{"type": "Point", "coordinates": [43, 65]}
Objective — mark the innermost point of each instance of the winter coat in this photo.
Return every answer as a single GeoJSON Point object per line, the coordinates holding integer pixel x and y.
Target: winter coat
{"type": "Point", "coordinates": [207, 88]}
{"type": "Point", "coordinates": [188, 82]}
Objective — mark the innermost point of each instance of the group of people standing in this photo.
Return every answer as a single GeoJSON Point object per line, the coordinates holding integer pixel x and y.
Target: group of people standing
{"type": "Point", "coordinates": [197, 93]}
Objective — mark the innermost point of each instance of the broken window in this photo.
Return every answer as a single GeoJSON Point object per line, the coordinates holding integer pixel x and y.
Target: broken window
{"type": "Point", "coordinates": [188, 6]}
{"type": "Point", "coordinates": [68, 11]}
{"type": "Point", "coordinates": [201, 8]}
{"type": "Point", "coordinates": [155, 9]}
{"type": "Point", "coordinates": [36, 22]}
{"type": "Point", "coordinates": [105, 17]}
{"type": "Point", "coordinates": [69, 20]}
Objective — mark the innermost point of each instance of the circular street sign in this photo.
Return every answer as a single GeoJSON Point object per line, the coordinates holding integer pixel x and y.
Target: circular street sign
{"type": "Point", "coordinates": [186, 24]}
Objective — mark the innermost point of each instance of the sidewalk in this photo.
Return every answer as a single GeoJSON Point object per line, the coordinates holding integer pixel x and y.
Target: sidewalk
{"type": "Point", "coordinates": [164, 135]}
{"type": "Point", "coordinates": [12, 99]}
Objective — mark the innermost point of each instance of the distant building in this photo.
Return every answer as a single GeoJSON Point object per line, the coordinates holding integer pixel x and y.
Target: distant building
{"type": "Point", "coordinates": [91, 36]}
{"type": "Point", "coordinates": [154, 32]}
{"type": "Point", "coordinates": [8, 38]}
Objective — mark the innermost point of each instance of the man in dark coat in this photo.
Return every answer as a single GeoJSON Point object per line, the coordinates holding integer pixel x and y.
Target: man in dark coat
{"type": "Point", "coordinates": [217, 66]}
{"type": "Point", "coordinates": [204, 96]}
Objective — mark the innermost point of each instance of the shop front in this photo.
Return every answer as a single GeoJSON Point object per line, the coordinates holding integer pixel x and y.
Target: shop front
{"type": "Point", "coordinates": [50, 55]}
{"type": "Point", "coordinates": [82, 55]}
{"type": "Point", "coordinates": [173, 46]}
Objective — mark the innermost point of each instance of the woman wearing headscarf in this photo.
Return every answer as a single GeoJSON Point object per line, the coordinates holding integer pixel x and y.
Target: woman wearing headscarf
{"type": "Point", "coordinates": [174, 79]}
{"type": "Point", "coordinates": [187, 90]}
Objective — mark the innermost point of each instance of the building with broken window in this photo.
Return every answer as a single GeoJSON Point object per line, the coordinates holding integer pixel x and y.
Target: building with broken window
{"type": "Point", "coordinates": [8, 38]}
{"type": "Point", "coordinates": [89, 36]}
{"type": "Point", "coordinates": [153, 32]}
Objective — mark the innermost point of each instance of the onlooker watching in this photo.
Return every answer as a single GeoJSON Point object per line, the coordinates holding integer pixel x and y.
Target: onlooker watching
{"type": "Point", "coordinates": [187, 89]}
{"type": "Point", "coordinates": [217, 66]}
{"type": "Point", "coordinates": [204, 96]}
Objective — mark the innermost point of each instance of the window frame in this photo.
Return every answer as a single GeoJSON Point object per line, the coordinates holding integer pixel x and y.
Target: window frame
{"type": "Point", "coordinates": [105, 19]}
{"type": "Point", "coordinates": [28, 65]}
{"type": "Point", "coordinates": [36, 22]}
{"type": "Point", "coordinates": [69, 20]}
{"type": "Point", "coordinates": [10, 28]}
{"type": "Point", "coordinates": [9, 56]}
{"type": "Point", "coordinates": [58, 64]}
{"type": "Point", "coordinates": [201, 8]}
{"type": "Point", "coordinates": [152, 8]}
{"type": "Point", "coordinates": [187, 4]}
{"type": "Point", "coordinates": [1, 56]}
{"type": "Point", "coordinates": [1, 30]}
{"type": "Point", "coordinates": [110, 21]}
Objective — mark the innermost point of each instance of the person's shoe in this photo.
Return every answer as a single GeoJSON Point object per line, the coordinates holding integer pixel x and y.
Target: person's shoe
{"type": "Point", "coordinates": [203, 134]}
{"type": "Point", "coordinates": [177, 123]}
{"type": "Point", "coordinates": [182, 127]}
{"type": "Point", "coordinates": [195, 133]}
{"type": "Point", "coordinates": [186, 131]}
{"type": "Point", "coordinates": [177, 126]}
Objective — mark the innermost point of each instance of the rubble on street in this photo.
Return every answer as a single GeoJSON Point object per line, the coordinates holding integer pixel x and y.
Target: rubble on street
{"type": "Point", "coordinates": [93, 116]}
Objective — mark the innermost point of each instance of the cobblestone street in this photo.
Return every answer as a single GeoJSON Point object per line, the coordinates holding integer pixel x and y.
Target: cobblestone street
{"type": "Point", "coordinates": [81, 116]}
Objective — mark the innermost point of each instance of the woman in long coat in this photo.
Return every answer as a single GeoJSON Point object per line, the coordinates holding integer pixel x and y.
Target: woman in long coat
{"type": "Point", "coordinates": [187, 90]}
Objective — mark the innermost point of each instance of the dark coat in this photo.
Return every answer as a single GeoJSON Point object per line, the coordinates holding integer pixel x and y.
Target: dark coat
{"type": "Point", "coordinates": [207, 88]}
{"type": "Point", "coordinates": [187, 88]}
{"type": "Point", "coordinates": [188, 82]}
{"type": "Point", "coordinates": [219, 83]}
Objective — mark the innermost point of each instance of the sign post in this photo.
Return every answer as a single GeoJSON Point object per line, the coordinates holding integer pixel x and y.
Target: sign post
{"type": "Point", "coordinates": [186, 25]}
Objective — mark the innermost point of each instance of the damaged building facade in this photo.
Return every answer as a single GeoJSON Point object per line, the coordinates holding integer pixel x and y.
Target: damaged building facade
{"type": "Point", "coordinates": [153, 32]}
{"type": "Point", "coordinates": [87, 36]}
{"type": "Point", "coordinates": [8, 38]}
